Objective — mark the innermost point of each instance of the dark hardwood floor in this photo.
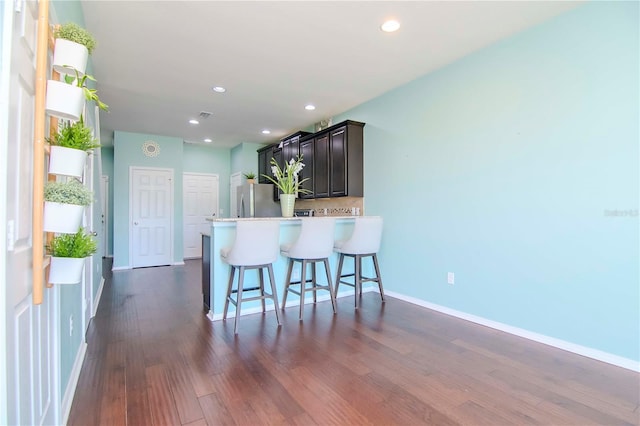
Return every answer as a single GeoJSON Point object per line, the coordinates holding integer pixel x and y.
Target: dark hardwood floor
{"type": "Point", "coordinates": [153, 358]}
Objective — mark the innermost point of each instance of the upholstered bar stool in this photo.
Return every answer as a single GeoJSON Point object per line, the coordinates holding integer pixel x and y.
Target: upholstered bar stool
{"type": "Point", "coordinates": [255, 247]}
{"type": "Point", "coordinates": [313, 245]}
{"type": "Point", "coordinates": [364, 242]}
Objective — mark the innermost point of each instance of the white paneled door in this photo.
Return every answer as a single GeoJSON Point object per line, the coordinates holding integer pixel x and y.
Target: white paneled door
{"type": "Point", "coordinates": [200, 192]}
{"type": "Point", "coordinates": [151, 212]}
{"type": "Point", "coordinates": [28, 362]}
{"type": "Point", "coordinates": [234, 183]}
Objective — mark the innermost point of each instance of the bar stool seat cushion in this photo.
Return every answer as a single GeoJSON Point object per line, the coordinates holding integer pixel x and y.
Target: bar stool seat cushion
{"type": "Point", "coordinates": [315, 240]}
{"type": "Point", "coordinates": [256, 243]}
{"type": "Point", "coordinates": [365, 238]}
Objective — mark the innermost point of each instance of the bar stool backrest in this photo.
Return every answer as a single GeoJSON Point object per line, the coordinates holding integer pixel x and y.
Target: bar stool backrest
{"type": "Point", "coordinates": [366, 237]}
{"type": "Point", "coordinates": [256, 243]}
{"type": "Point", "coordinates": [315, 240]}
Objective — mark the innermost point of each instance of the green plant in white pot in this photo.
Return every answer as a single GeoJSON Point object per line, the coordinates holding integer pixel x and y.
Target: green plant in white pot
{"type": "Point", "coordinates": [68, 252]}
{"type": "Point", "coordinates": [66, 99]}
{"type": "Point", "coordinates": [69, 148]}
{"type": "Point", "coordinates": [89, 94]}
{"type": "Point", "coordinates": [250, 176]}
{"type": "Point", "coordinates": [73, 46]}
{"type": "Point", "coordinates": [64, 205]}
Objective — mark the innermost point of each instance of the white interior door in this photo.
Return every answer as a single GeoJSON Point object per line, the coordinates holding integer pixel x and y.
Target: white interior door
{"type": "Point", "coordinates": [234, 183]}
{"type": "Point", "coordinates": [29, 333]}
{"type": "Point", "coordinates": [200, 192]}
{"type": "Point", "coordinates": [151, 212]}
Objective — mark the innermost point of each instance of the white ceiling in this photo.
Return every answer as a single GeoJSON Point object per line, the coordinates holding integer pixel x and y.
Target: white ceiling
{"type": "Point", "coordinates": [156, 61]}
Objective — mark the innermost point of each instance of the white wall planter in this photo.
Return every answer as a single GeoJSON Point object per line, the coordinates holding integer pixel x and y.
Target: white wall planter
{"type": "Point", "coordinates": [64, 100]}
{"type": "Point", "coordinates": [67, 161]}
{"type": "Point", "coordinates": [70, 56]}
{"type": "Point", "coordinates": [66, 270]}
{"type": "Point", "coordinates": [62, 218]}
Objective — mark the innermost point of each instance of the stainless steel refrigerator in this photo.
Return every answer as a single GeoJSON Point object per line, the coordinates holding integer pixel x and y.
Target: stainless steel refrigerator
{"type": "Point", "coordinates": [256, 200]}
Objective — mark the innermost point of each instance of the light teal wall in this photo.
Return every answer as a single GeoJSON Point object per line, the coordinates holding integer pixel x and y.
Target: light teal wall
{"type": "Point", "coordinates": [204, 159]}
{"type": "Point", "coordinates": [244, 158]}
{"type": "Point", "coordinates": [506, 168]}
{"type": "Point", "coordinates": [107, 169]}
{"type": "Point", "coordinates": [71, 296]}
{"type": "Point", "coordinates": [127, 153]}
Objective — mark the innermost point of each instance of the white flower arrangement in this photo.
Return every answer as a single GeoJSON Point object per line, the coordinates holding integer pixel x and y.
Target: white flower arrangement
{"type": "Point", "coordinates": [287, 179]}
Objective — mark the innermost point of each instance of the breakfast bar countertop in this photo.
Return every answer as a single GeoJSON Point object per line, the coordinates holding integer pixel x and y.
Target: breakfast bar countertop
{"type": "Point", "coordinates": [236, 219]}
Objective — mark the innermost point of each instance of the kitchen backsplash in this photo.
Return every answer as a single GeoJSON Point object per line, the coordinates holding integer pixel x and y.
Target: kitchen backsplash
{"type": "Point", "coordinates": [342, 206]}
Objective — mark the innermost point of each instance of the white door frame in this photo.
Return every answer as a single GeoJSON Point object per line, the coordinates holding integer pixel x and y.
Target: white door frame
{"type": "Point", "coordinates": [171, 211]}
{"type": "Point", "coordinates": [104, 182]}
{"type": "Point", "coordinates": [87, 281]}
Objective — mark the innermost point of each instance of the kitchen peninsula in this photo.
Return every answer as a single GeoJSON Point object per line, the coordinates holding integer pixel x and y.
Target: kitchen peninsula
{"type": "Point", "coordinates": [222, 234]}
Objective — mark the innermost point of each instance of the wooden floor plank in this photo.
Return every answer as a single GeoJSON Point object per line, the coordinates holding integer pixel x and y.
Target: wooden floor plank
{"type": "Point", "coordinates": [153, 358]}
{"type": "Point", "coordinates": [161, 403]}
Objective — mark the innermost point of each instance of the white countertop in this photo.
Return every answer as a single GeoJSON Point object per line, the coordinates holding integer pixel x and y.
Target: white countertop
{"type": "Point", "coordinates": [237, 219]}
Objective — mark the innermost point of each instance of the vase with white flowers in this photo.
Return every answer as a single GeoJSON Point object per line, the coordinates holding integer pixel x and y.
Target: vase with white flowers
{"type": "Point", "coordinates": [286, 180]}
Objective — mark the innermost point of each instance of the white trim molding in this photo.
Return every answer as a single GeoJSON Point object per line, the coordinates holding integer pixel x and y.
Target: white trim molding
{"type": "Point", "coordinates": [596, 354]}
{"type": "Point", "coordinates": [96, 300]}
{"type": "Point", "coordinates": [120, 268]}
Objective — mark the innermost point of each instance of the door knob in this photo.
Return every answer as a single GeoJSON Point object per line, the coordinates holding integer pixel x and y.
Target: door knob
{"type": "Point", "coordinates": [135, 223]}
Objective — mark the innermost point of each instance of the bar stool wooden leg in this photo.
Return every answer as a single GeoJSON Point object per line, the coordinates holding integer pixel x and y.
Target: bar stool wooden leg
{"type": "Point", "coordinates": [357, 281]}
{"type": "Point", "coordinates": [261, 280]}
{"type": "Point", "coordinates": [303, 285]}
{"type": "Point", "coordinates": [331, 293]}
{"type": "Point", "coordinates": [229, 287]}
{"type": "Point", "coordinates": [272, 281]}
{"type": "Point", "coordinates": [378, 276]}
{"type": "Point", "coordinates": [287, 283]}
{"type": "Point", "coordinates": [239, 299]}
{"type": "Point", "coordinates": [314, 282]}
{"type": "Point", "coordinates": [339, 274]}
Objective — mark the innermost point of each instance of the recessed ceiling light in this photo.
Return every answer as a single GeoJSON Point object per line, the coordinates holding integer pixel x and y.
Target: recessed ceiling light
{"type": "Point", "coordinates": [309, 107]}
{"type": "Point", "coordinates": [208, 140]}
{"type": "Point", "coordinates": [390, 26]}
{"type": "Point", "coordinates": [194, 121]}
{"type": "Point", "coordinates": [218, 89]}
{"type": "Point", "coordinates": [266, 132]}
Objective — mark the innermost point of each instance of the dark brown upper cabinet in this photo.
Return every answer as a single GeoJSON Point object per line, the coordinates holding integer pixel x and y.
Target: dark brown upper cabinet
{"type": "Point", "coordinates": [333, 160]}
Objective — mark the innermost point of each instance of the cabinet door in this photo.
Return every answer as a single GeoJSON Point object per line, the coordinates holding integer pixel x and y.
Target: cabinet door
{"type": "Point", "coordinates": [306, 150]}
{"type": "Point", "coordinates": [338, 162]}
{"type": "Point", "coordinates": [277, 155]}
{"type": "Point", "coordinates": [321, 166]}
{"type": "Point", "coordinates": [263, 166]}
{"type": "Point", "coordinates": [290, 149]}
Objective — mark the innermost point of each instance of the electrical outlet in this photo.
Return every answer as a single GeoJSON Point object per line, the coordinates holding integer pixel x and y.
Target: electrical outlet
{"type": "Point", "coordinates": [70, 325]}
{"type": "Point", "coordinates": [450, 278]}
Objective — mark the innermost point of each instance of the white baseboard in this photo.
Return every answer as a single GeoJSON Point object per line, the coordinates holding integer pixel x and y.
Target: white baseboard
{"type": "Point", "coordinates": [96, 300]}
{"type": "Point", "coordinates": [596, 354]}
{"type": "Point", "coordinates": [120, 268]}
{"type": "Point", "coordinates": [126, 268]}
{"type": "Point", "coordinates": [70, 391]}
